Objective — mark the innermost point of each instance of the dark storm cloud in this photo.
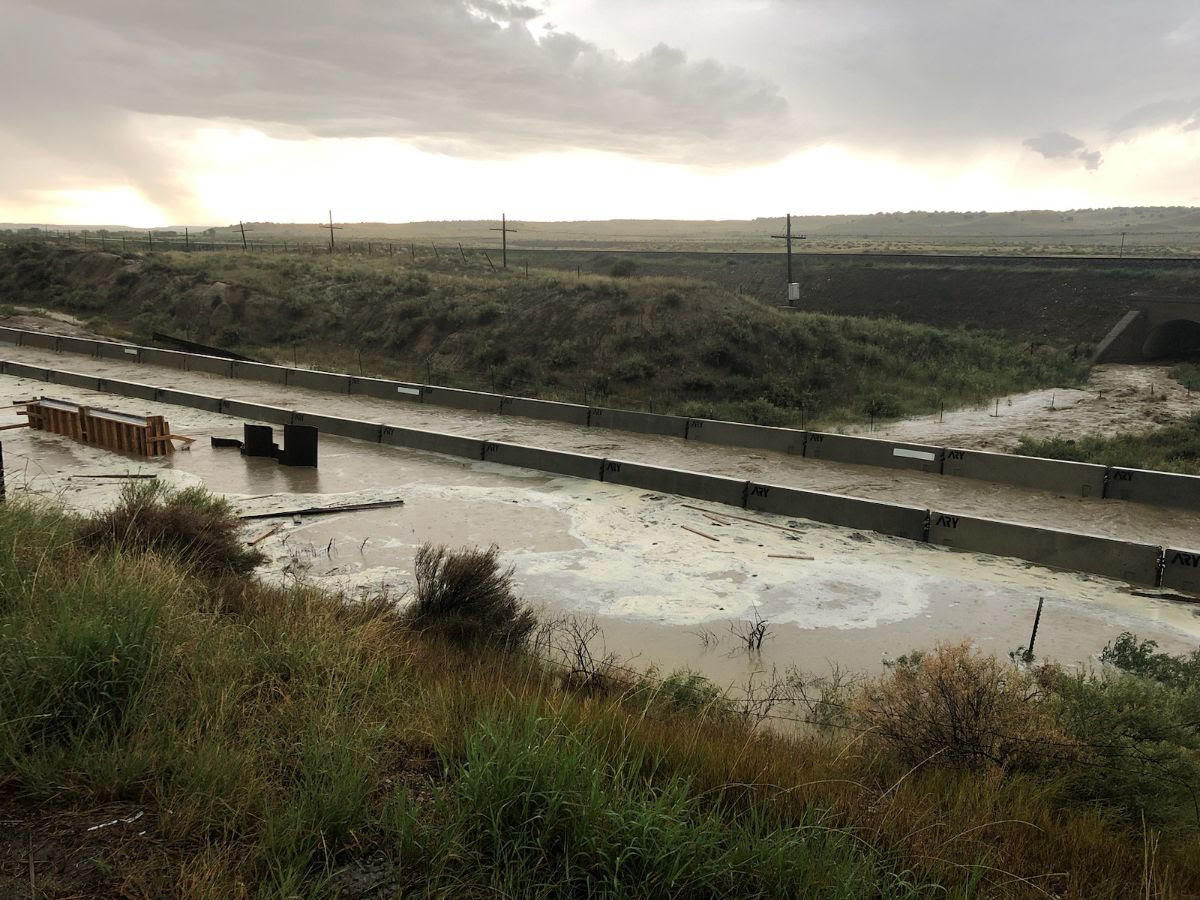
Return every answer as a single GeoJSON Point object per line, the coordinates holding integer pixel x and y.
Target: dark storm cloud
{"type": "Point", "coordinates": [1060, 145]}
{"type": "Point", "coordinates": [941, 76]}
{"type": "Point", "coordinates": [468, 76]}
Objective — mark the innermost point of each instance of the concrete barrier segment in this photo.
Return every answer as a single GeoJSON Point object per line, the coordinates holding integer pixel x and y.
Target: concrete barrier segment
{"type": "Point", "coordinates": [1127, 561]}
{"type": "Point", "coordinates": [385, 390]}
{"type": "Point", "coordinates": [212, 365]}
{"type": "Point", "coordinates": [432, 441]}
{"type": "Point", "coordinates": [319, 381]}
{"type": "Point", "coordinates": [39, 339]}
{"type": "Point", "coordinates": [557, 462]}
{"type": "Point", "coordinates": [75, 380]}
{"type": "Point", "coordinates": [119, 352]}
{"type": "Point", "coordinates": [170, 359]}
{"type": "Point", "coordinates": [251, 371]}
{"type": "Point", "coordinates": [545, 410]}
{"type": "Point", "coordinates": [637, 422]}
{"type": "Point", "coordinates": [184, 398]}
{"type": "Point", "coordinates": [256, 412]}
{"type": "Point", "coordinates": [351, 428]}
{"type": "Point", "coordinates": [456, 399]}
{"type": "Point", "coordinates": [1156, 488]}
{"type": "Point", "coordinates": [737, 434]}
{"type": "Point", "coordinates": [79, 346]}
{"type": "Point", "coordinates": [1070, 479]}
{"type": "Point", "coordinates": [1181, 570]}
{"type": "Point", "coordinates": [834, 509]}
{"type": "Point", "coordinates": [871, 452]}
{"type": "Point", "coordinates": [701, 486]}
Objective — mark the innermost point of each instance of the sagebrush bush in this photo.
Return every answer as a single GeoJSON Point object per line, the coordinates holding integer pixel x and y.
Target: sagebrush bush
{"type": "Point", "coordinates": [465, 596]}
{"type": "Point", "coordinates": [191, 525]}
{"type": "Point", "coordinates": [958, 705]}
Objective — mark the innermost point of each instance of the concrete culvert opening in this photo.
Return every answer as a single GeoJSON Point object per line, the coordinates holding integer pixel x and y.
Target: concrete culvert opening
{"type": "Point", "coordinates": [1176, 338]}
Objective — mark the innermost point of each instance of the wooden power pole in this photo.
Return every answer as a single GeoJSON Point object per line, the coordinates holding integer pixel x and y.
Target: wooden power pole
{"type": "Point", "coordinates": [504, 231]}
{"type": "Point", "coordinates": [789, 237]}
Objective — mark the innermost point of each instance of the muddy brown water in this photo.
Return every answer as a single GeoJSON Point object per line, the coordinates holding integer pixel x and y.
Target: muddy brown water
{"type": "Point", "coordinates": [621, 554]}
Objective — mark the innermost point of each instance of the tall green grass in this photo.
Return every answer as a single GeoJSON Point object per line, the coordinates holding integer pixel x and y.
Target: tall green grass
{"type": "Point", "coordinates": [1169, 448]}
{"type": "Point", "coordinates": [287, 743]}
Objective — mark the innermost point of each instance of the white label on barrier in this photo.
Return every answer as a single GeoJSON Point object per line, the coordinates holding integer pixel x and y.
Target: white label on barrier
{"type": "Point", "coordinates": [404, 390]}
{"type": "Point", "coordinates": [914, 454]}
{"type": "Point", "coordinates": [132, 351]}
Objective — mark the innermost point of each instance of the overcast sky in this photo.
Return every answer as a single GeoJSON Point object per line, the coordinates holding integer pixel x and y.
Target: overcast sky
{"type": "Point", "coordinates": [175, 111]}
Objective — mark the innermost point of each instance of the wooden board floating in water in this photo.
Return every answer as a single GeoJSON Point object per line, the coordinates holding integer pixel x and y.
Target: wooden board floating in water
{"type": "Point", "coordinates": [147, 436]}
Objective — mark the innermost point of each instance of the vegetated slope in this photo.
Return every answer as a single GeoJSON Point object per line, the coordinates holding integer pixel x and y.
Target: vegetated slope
{"type": "Point", "coordinates": [204, 734]}
{"type": "Point", "coordinates": [668, 344]}
{"type": "Point", "coordinates": [1170, 448]}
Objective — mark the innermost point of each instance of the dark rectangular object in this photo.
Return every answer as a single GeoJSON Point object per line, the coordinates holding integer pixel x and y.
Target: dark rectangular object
{"type": "Point", "coordinates": [258, 440]}
{"type": "Point", "coordinates": [299, 446]}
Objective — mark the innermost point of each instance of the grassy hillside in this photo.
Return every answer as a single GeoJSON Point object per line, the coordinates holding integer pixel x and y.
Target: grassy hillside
{"type": "Point", "coordinates": [229, 739]}
{"type": "Point", "coordinates": [661, 343]}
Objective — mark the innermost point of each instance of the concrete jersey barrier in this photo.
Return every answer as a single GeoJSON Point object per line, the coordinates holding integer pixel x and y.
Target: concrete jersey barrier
{"type": "Point", "coordinates": [1156, 488]}
{"type": "Point", "coordinates": [432, 441]}
{"type": "Point", "coordinates": [735, 434]}
{"type": "Point", "coordinates": [1070, 479]}
{"type": "Point", "coordinates": [835, 509]}
{"type": "Point", "coordinates": [872, 452]}
{"type": "Point", "coordinates": [638, 422]}
{"type": "Point", "coordinates": [1123, 560]}
{"type": "Point", "coordinates": [556, 462]}
{"type": "Point", "coordinates": [1181, 570]}
{"type": "Point", "coordinates": [716, 488]}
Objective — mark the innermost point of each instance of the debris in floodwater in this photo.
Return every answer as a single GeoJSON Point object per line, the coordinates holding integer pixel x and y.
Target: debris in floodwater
{"type": "Point", "coordinates": [701, 533]}
{"type": "Point", "coordinates": [323, 510]}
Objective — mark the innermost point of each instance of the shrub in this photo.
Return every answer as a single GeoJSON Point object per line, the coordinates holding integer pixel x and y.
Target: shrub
{"type": "Point", "coordinates": [958, 705]}
{"type": "Point", "coordinates": [1139, 658]}
{"type": "Point", "coordinates": [466, 597]}
{"type": "Point", "coordinates": [191, 525]}
{"type": "Point", "coordinates": [623, 268]}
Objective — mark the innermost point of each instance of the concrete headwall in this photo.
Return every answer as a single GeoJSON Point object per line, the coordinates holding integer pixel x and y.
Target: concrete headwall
{"type": "Point", "coordinates": [546, 410]}
{"type": "Point", "coordinates": [639, 422]}
{"type": "Point", "coordinates": [1157, 488]}
{"type": "Point", "coordinates": [576, 465]}
{"type": "Point", "coordinates": [872, 452]}
{"type": "Point", "coordinates": [351, 428]}
{"type": "Point", "coordinates": [257, 412]}
{"type": "Point", "coordinates": [1071, 479]}
{"type": "Point", "coordinates": [1124, 560]}
{"type": "Point", "coordinates": [433, 441]}
{"type": "Point", "coordinates": [834, 509]}
{"type": "Point", "coordinates": [735, 434]}
{"type": "Point", "coordinates": [1181, 570]}
{"type": "Point", "coordinates": [319, 381]}
{"type": "Point", "coordinates": [716, 488]}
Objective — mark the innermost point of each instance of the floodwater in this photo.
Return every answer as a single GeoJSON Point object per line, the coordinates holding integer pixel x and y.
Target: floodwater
{"type": "Point", "coordinates": [662, 595]}
{"type": "Point", "coordinates": [1117, 398]}
{"type": "Point", "coordinates": [957, 495]}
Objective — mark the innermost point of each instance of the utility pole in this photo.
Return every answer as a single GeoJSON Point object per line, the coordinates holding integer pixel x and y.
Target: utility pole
{"type": "Point", "coordinates": [331, 229]}
{"type": "Point", "coordinates": [1121, 253]}
{"type": "Point", "coordinates": [789, 237]}
{"type": "Point", "coordinates": [243, 227]}
{"type": "Point", "coordinates": [504, 230]}
{"type": "Point", "coordinates": [187, 240]}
